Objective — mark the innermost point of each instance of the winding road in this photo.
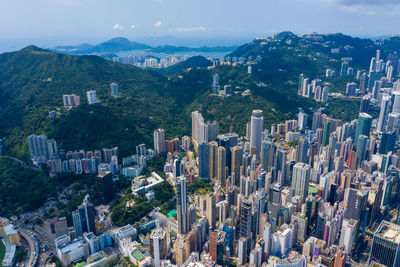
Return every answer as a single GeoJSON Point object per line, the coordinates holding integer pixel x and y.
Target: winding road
{"type": "Point", "coordinates": [21, 162]}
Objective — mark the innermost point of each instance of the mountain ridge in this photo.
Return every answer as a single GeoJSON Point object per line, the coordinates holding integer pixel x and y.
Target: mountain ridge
{"type": "Point", "coordinates": [119, 44]}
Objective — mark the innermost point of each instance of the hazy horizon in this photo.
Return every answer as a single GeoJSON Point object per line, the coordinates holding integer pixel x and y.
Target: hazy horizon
{"type": "Point", "coordinates": [48, 23]}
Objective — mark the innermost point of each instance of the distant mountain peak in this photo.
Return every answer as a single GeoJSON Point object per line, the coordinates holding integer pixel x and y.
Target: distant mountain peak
{"type": "Point", "coordinates": [33, 48]}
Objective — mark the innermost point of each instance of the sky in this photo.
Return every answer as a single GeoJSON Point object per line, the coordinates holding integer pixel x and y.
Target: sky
{"type": "Point", "coordinates": [61, 22]}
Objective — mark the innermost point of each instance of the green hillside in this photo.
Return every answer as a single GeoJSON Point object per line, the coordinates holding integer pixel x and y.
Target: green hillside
{"type": "Point", "coordinates": [33, 80]}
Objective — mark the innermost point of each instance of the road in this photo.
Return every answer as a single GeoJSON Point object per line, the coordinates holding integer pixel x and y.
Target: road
{"type": "Point", "coordinates": [33, 247]}
{"type": "Point", "coordinates": [21, 162]}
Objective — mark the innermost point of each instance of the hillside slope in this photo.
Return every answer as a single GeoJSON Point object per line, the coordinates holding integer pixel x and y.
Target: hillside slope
{"type": "Point", "coordinates": [33, 80]}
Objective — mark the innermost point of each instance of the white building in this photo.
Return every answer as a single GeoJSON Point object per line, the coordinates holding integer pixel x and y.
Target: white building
{"type": "Point", "coordinates": [348, 234]}
{"type": "Point", "coordinates": [92, 97]}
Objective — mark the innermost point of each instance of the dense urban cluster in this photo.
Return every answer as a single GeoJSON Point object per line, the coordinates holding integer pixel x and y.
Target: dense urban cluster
{"type": "Point", "coordinates": [312, 191]}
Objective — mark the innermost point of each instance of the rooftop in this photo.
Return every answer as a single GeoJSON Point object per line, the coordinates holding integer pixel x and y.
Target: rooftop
{"type": "Point", "coordinates": [389, 231]}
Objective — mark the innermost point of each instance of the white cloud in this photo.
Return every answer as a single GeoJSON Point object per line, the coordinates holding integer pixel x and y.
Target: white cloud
{"type": "Point", "coordinates": [133, 26]}
{"type": "Point", "coordinates": [117, 27]}
{"type": "Point", "coordinates": [189, 29]}
{"type": "Point", "coordinates": [158, 23]}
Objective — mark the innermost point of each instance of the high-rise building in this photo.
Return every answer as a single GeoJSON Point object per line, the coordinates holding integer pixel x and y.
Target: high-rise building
{"type": "Point", "coordinates": [302, 120]}
{"type": "Point", "coordinates": [317, 120]}
{"type": "Point", "coordinates": [363, 126]}
{"type": "Point", "coordinates": [396, 102]}
{"type": "Point", "coordinates": [325, 94]}
{"type": "Point", "coordinates": [213, 159]}
{"type": "Point", "coordinates": [114, 89]}
{"type": "Point", "coordinates": [386, 244]}
{"type": "Point", "coordinates": [300, 88]}
{"type": "Point", "coordinates": [70, 101]}
{"type": "Point", "coordinates": [242, 250]}
{"type": "Point", "coordinates": [182, 205]}
{"type": "Point", "coordinates": [363, 80]}
{"type": "Point", "coordinates": [302, 149]}
{"type": "Point", "coordinates": [92, 97]}
{"type": "Point", "coordinates": [159, 245]}
{"type": "Point", "coordinates": [327, 131]}
{"type": "Point", "coordinates": [236, 162]}
{"type": "Point", "coordinates": [301, 179]}
{"type": "Point", "coordinates": [356, 204]}
{"type": "Point", "coordinates": [104, 186]}
{"type": "Point", "coordinates": [348, 234]}
{"type": "Point", "coordinates": [228, 140]}
{"type": "Point", "coordinates": [186, 141]}
{"type": "Point", "coordinates": [217, 246]}
{"type": "Point", "coordinates": [393, 123]}
{"type": "Point", "coordinates": [274, 203]}
{"type": "Point", "coordinates": [383, 114]}
{"type": "Point", "coordinates": [267, 154]}
{"type": "Point", "coordinates": [211, 210]}
{"type": "Point", "coordinates": [76, 218]}
{"type": "Point", "coordinates": [159, 140]}
{"type": "Point", "coordinates": [38, 147]}
{"type": "Point", "coordinates": [388, 141]}
{"type": "Point", "coordinates": [257, 123]}
{"type": "Point", "coordinates": [245, 218]}
{"type": "Point", "coordinates": [364, 104]}
{"type": "Point", "coordinates": [203, 132]}
{"type": "Point", "coordinates": [361, 149]}
{"type": "Point", "coordinates": [83, 218]}
{"type": "Point", "coordinates": [221, 167]}
{"type": "Point", "coordinates": [204, 161]}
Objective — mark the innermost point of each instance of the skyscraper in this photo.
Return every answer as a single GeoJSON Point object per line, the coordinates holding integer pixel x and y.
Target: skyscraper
{"type": "Point", "coordinates": [210, 210]}
{"type": "Point", "coordinates": [361, 149]}
{"type": "Point", "coordinates": [83, 218]}
{"type": "Point", "coordinates": [302, 120]}
{"type": "Point", "coordinates": [396, 102]}
{"type": "Point", "coordinates": [301, 179]}
{"type": "Point", "coordinates": [236, 162]}
{"type": "Point", "coordinates": [104, 187]}
{"type": "Point", "coordinates": [228, 140]}
{"type": "Point", "coordinates": [386, 244]}
{"type": "Point", "coordinates": [317, 120]}
{"type": "Point", "coordinates": [393, 123]}
{"type": "Point", "coordinates": [327, 131]}
{"type": "Point", "coordinates": [182, 205]}
{"type": "Point", "coordinates": [348, 234]}
{"type": "Point", "coordinates": [245, 218]}
{"type": "Point", "coordinates": [388, 141]}
{"type": "Point", "coordinates": [159, 141]}
{"type": "Point", "coordinates": [159, 245]}
{"type": "Point", "coordinates": [204, 161]}
{"type": "Point", "coordinates": [257, 122]}
{"type": "Point", "coordinates": [302, 149]}
{"type": "Point", "coordinates": [217, 246]}
{"type": "Point", "coordinates": [356, 204]}
{"type": "Point", "coordinates": [363, 126]}
{"type": "Point", "coordinates": [201, 131]}
{"type": "Point", "coordinates": [213, 159]}
{"type": "Point", "coordinates": [221, 167]}
{"type": "Point", "coordinates": [383, 114]}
